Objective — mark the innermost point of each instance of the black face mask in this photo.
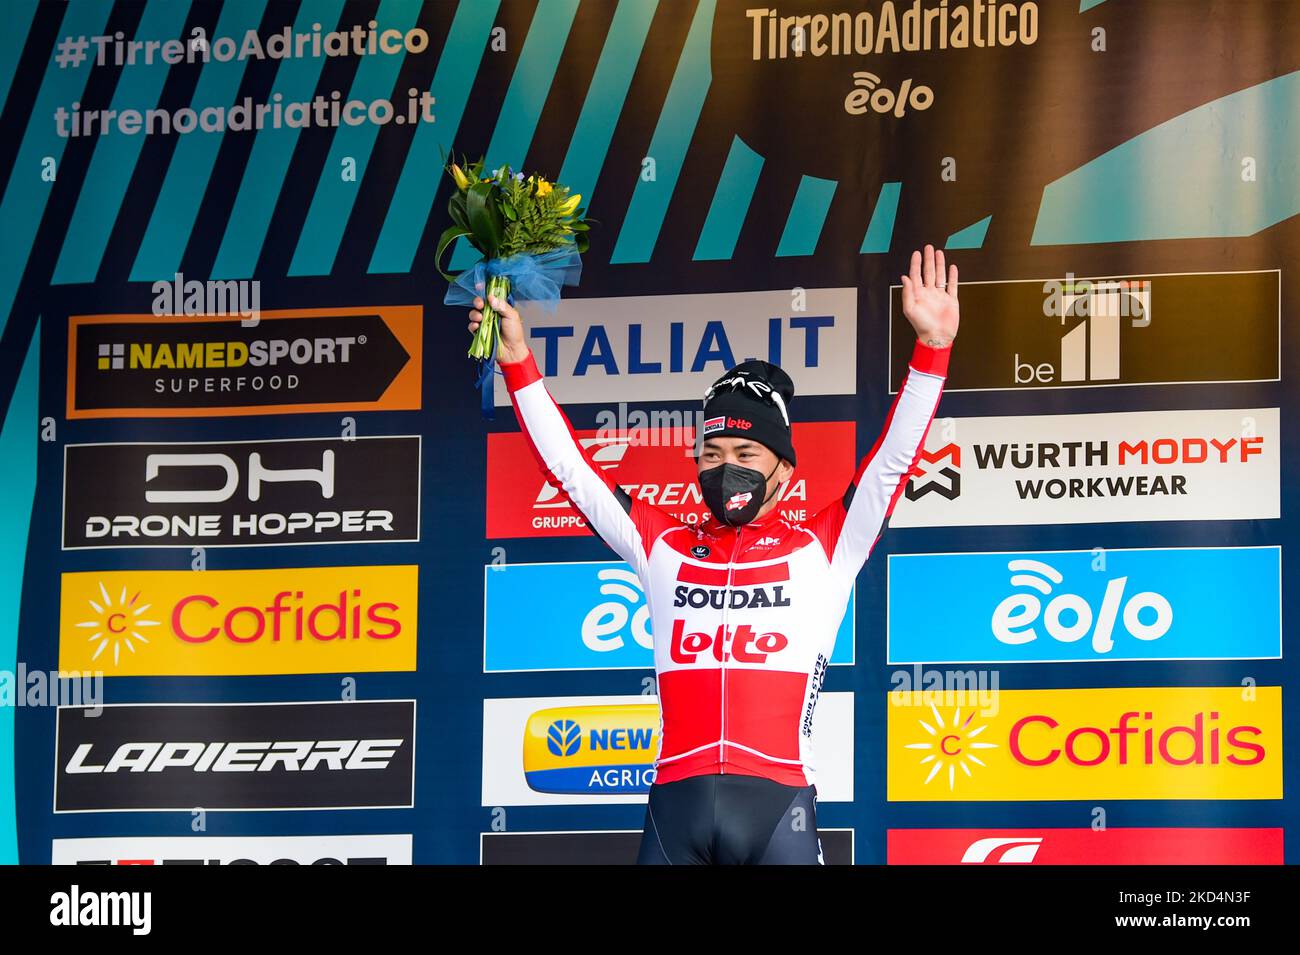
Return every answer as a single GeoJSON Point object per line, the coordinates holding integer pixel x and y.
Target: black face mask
{"type": "Point", "coordinates": [734, 493]}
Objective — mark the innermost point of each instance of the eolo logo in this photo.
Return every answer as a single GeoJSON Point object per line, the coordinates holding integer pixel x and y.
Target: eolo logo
{"type": "Point", "coordinates": [242, 622]}
{"type": "Point", "coordinates": [1111, 743]}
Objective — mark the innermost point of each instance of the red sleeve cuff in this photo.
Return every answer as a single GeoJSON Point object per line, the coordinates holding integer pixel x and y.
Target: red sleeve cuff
{"type": "Point", "coordinates": [520, 373]}
{"type": "Point", "coordinates": [932, 361]}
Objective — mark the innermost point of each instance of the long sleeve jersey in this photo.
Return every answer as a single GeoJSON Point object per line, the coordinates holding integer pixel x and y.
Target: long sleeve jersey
{"type": "Point", "coordinates": [744, 619]}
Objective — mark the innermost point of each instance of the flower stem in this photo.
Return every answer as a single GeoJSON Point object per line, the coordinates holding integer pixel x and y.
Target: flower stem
{"type": "Point", "coordinates": [485, 339]}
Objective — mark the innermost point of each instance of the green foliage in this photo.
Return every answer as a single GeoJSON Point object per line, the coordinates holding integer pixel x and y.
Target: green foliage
{"type": "Point", "coordinates": [503, 214]}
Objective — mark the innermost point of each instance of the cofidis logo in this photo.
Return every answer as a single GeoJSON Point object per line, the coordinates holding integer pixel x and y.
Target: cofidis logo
{"type": "Point", "coordinates": [239, 622]}
{"type": "Point", "coordinates": [1112, 743]}
{"type": "Point", "coordinates": [592, 749]}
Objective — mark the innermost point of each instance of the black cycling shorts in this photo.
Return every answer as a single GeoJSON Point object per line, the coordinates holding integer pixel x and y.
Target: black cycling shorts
{"type": "Point", "coordinates": [730, 819]}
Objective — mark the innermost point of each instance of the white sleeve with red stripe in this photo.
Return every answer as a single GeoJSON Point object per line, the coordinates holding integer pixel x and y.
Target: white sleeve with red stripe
{"type": "Point", "coordinates": [885, 470]}
{"type": "Point", "coordinates": [567, 466]}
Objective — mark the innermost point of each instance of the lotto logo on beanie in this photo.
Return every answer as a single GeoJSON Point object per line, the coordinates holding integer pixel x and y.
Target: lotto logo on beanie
{"type": "Point", "coordinates": [751, 401]}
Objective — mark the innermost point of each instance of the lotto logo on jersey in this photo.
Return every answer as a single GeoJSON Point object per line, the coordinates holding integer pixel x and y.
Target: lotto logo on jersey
{"type": "Point", "coordinates": [743, 644]}
{"type": "Point", "coordinates": [1111, 743]}
{"type": "Point", "coordinates": [592, 749]}
{"type": "Point", "coordinates": [661, 472]}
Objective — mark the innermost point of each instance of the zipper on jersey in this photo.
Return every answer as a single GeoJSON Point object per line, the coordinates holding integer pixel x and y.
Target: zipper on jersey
{"type": "Point", "coordinates": [722, 668]}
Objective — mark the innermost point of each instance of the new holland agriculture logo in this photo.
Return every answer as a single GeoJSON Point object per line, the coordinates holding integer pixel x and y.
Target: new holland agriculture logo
{"type": "Point", "coordinates": [1112, 743]}
{"type": "Point", "coordinates": [592, 749]}
{"type": "Point", "coordinates": [239, 622]}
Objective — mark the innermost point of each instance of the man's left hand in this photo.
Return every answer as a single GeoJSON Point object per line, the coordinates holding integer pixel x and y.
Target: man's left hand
{"type": "Point", "coordinates": [930, 303]}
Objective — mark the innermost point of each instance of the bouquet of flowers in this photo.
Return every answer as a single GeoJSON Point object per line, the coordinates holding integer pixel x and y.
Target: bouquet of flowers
{"type": "Point", "coordinates": [531, 233]}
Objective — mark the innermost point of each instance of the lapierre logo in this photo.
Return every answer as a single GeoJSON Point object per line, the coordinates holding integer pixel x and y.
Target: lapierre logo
{"type": "Point", "coordinates": [233, 756]}
{"type": "Point", "coordinates": [240, 622]}
{"type": "Point", "coordinates": [658, 474]}
{"type": "Point", "coordinates": [591, 749]}
{"type": "Point", "coordinates": [1068, 332]}
{"type": "Point", "coordinates": [225, 494]}
{"type": "Point", "coordinates": [1128, 743]}
{"type": "Point", "coordinates": [294, 361]}
{"type": "Point", "coordinates": [1213, 464]}
{"type": "Point", "coordinates": [234, 850]}
{"type": "Point", "coordinates": [77, 908]}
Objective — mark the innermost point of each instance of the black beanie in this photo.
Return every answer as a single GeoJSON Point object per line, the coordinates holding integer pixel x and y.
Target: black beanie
{"type": "Point", "coordinates": [751, 401]}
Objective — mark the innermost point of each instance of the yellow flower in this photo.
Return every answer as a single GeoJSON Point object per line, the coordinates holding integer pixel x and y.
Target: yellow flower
{"type": "Point", "coordinates": [569, 205]}
{"type": "Point", "coordinates": [543, 187]}
{"type": "Point", "coordinates": [462, 182]}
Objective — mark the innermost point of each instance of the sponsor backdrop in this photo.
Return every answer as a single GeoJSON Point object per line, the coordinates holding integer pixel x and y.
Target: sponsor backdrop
{"type": "Point", "coordinates": [341, 619]}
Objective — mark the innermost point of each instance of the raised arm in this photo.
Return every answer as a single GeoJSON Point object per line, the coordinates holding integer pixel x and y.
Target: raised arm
{"type": "Point", "coordinates": [849, 528]}
{"type": "Point", "coordinates": [628, 526]}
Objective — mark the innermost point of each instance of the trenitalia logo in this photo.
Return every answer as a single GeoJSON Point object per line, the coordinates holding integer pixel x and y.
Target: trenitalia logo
{"type": "Point", "coordinates": [240, 622]}
{"type": "Point", "coordinates": [523, 504]}
{"type": "Point", "coordinates": [592, 749]}
{"type": "Point", "coordinates": [1112, 743]}
{"type": "Point", "coordinates": [1137, 846]}
{"type": "Point", "coordinates": [345, 359]}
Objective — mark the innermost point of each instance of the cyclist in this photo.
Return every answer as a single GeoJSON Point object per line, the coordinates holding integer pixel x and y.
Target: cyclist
{"type": "Point", "coordinates": [744, 607]}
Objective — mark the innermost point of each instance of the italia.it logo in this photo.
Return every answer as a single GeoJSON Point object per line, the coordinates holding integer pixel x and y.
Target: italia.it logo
{"type": "Point", "coordinates": [951, 745]}
{"type": "Point", "coordinates": [116, 623]}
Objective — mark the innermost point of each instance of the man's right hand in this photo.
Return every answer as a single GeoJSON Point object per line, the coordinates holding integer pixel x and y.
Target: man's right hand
{"type": "Point", "coordinates": [512, 347]}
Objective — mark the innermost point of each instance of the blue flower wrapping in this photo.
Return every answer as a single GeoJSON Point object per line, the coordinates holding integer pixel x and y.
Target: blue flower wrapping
{"type": "Point", "coordinates": [533, 278]}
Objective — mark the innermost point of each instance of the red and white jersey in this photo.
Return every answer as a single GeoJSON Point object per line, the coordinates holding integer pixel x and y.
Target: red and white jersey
{"type": "Point", "coordinates": [744, 619]}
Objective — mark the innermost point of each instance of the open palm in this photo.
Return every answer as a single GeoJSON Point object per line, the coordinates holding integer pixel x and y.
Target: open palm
{"type": "Point", "coordinates": [930, 303]}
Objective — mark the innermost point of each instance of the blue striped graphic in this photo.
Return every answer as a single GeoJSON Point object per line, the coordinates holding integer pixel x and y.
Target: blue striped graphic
{"type": "Point", "coordinates": [606, 96]}
{"type": "Point", "coordinates": [408, 213]}
{"type": "Point", "coordinates": [268, 161]}
{"type": "Point", "coordinates": [27, 192]}
{"type": "Point", "coordinates": [139, 87]}
{"type": "Point", "coordinates": [187, 177]}
{"type": "Point", "coordinates": [1183, 178]}
{"type": "Point", "coordinates": [318, 243]}
{"type": "Point", "coordinates": [18, 451]}
{"type": "Point", "coordinates": [730, 203]}
{"type": "Point", "coordinates": [672, 136]}
{"type": "Point", "coordinates": [971, 237]}
{"type": "Point", "coordinates": [803, 227]}
{"type": "Point", "coordinates": [19, 15]}
{"type": "Point", "coordinates": [880, 230]}
{"type": "Point", "coordinates": [529, 87]}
